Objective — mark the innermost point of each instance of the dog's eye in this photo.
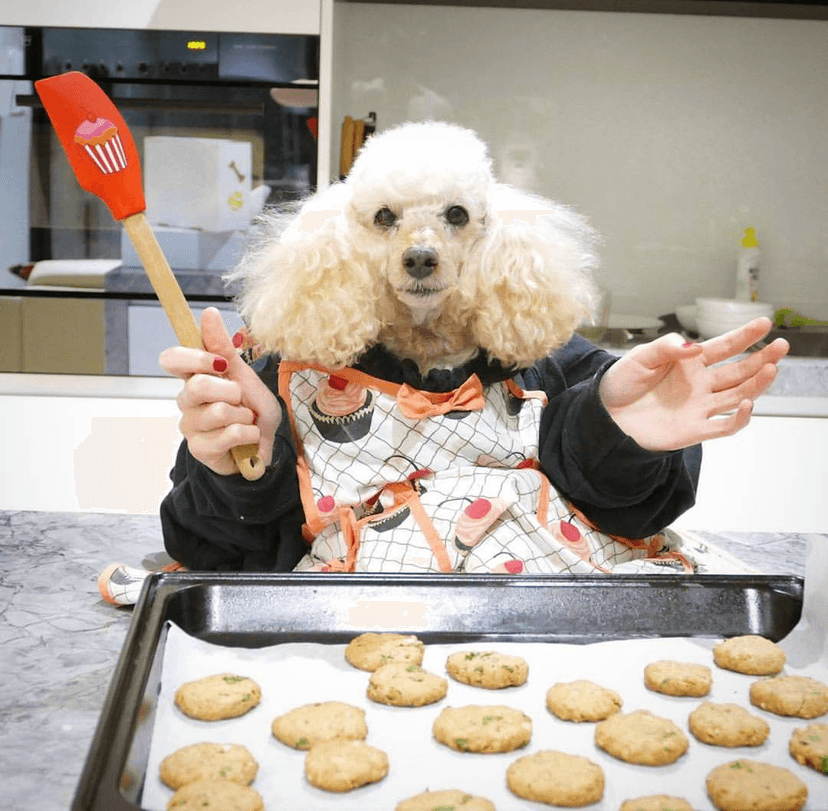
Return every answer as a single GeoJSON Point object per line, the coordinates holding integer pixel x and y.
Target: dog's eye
{"type": "Point", "coordinates": [385, 218]}
{"type": "Point", "coordinates": [457, 215]}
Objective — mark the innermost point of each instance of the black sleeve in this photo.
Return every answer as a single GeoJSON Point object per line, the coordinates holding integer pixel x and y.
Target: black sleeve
{"type": "Point", "coordinates": [227, 523]}
{"type": "Point", "coordinates": [621, 487]}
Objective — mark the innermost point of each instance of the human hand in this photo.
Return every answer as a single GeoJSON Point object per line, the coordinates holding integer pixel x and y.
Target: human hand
{"type": "Point", "coordinates": [223, 402]}
{"type": "Point", "coordinates": [668, 394]}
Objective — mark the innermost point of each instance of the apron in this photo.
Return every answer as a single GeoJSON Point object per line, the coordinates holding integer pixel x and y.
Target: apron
{"type": "Point", "coordinates": [394, 479]}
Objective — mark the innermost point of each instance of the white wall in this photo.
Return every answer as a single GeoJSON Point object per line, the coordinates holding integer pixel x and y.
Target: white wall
{"type": "Point", "coordinates": [266, 16]}
{"type": "Point", "coordinates": [672, 133]}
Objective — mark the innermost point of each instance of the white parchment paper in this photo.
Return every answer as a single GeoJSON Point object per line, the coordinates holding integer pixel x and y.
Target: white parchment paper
{"type": "Point", "coordinates": [808, 642]}
{"type": "Point", "coordinates": [294, 674]}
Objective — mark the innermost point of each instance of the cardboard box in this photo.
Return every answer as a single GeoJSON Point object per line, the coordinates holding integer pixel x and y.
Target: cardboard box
{"type": "Point", "coordinates": [201, 183]}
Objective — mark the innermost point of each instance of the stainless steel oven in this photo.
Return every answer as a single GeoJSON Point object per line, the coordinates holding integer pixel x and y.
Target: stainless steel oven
{"type": "Point", "coordinates": [73, 297]}
{"type": "Point", "coordinates": [170, 83]}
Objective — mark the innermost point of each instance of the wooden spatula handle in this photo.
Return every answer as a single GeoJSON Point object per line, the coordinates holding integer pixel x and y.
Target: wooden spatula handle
{"type": "Point", "coordinates": [180, 316]}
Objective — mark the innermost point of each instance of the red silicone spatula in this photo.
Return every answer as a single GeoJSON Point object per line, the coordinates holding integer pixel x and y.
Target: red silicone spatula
{"type": "Point", "coordinates": [103, 156]}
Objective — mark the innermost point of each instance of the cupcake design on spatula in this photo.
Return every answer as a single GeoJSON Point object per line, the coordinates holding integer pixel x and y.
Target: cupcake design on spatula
{"type": "Point", "coordinates": [100, 139]}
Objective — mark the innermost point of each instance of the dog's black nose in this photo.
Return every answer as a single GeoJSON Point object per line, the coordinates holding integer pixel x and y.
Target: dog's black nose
{"type": "Point", "coordinates": [419, 261]}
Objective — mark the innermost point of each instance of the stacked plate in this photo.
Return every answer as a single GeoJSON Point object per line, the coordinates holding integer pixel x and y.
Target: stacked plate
{"type": "Point", "coordinates": [715, 316]}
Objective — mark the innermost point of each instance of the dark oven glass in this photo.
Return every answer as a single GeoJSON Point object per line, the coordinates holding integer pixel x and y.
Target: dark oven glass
{"type": "Point", "coordinates": [170, 83]}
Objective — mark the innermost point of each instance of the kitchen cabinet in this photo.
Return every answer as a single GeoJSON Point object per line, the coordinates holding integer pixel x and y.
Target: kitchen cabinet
{"type": "Point", "coordinates": [770, 477]}
{"type": "Point", "coordinates": [149, 333]}
{"type": "Point", "coordinates": [50, 335]}
{"type": "Point", "coordinates": [266, 16]}
{"type": "Point", "coordinates": [65, 432]}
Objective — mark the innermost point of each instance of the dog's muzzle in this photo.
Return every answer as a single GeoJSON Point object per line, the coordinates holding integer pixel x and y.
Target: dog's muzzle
{"type": "Point", "coordinates": [419, 262]}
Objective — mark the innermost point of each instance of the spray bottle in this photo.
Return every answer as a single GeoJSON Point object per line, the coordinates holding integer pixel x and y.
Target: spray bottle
{"type": "Point", "coordinates": [747, 268]}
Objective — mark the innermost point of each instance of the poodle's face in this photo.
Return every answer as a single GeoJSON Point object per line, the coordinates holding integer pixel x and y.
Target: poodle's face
{"type": "Point", "coordinates": [422, 246]}
{"type": "Point", "coordinates": [421, 250]}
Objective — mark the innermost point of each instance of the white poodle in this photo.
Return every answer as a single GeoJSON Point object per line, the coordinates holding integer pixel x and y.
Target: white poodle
{"type": "Point", "coordinates": [422, 402]}
{"type": "Point", "coordinates": [422, 250]}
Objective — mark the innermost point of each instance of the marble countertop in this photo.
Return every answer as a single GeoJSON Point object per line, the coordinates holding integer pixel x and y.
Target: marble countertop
{"type": "Point", "coordinates": [61, 642]}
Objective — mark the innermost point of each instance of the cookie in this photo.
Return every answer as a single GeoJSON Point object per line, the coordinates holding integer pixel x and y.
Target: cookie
{"type": "Point", "coordinates": [727, 725]}
{"type": "Point", "coordinates": [798, 696]}
{"type": "Point", "coordinates": [482, 729]}
{"type": "Point", "coordinates": [487, 669]}
{"type": "Point", "coordinates": [556, 778]}
{"type": "Point", "coordinates": [746, 785]}
{"type": "Point", "coordinates": [208, 761]}
{"type": "Point", "coordinates": [678, 678]}
{"type": "Point", "coordinates": [447, 800]}
{"type": "Point", "coordinates": [582, 700]}
{"type": "Point", "coordinates": [223, 794]}
{"type": "Point", "coordinates": [341, 765]}
{"type": "Point", "coordinates": [656, 802]}
{"type": "Point", "coordinates": [304, 727]}
{"type": "Point", "coordinates": [402, 685]}
{"type": "Point", "coordinates": [641, 737]}
{"type": "Point", "coordinates": [809, 746]}
{"type": "Point", "coordinates": [215, 698]}
{"type": "Point", "coordinates": [750, 654]}
{"type": "Point", "coordinates": [370, 651]}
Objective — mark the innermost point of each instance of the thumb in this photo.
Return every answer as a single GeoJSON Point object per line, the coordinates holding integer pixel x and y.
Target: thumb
{"type": "Point", "coordinates": [664, 350]}
{"type": "Point", "coordinates": [217, 341]}
{"type": "Point", "coordinates": [254, 394]}
{"type": "Point", "coordinates": [214, 334]}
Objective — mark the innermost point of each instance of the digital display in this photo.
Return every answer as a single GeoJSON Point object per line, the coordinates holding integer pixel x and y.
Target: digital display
{"type": "Point", "coordinates": [196, 45]}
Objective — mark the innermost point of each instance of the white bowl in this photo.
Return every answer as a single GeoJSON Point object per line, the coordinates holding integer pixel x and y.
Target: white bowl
{"type": "Point", "coordinates": [716, 316]}
{"type": "Point", "coordinates": [686, 315]}
{"type": "Point", "coordinates": [729, 307]}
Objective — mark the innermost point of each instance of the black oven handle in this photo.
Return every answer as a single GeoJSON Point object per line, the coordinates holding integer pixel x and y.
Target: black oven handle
{"type": "Point", "coordinates": [26, 100]}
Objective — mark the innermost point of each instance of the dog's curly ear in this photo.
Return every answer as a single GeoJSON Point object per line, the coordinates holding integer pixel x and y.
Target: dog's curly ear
{"type": "Point", "coordinates": [306, 290]}
{"type": "Point", "coordinates": [533, 284]}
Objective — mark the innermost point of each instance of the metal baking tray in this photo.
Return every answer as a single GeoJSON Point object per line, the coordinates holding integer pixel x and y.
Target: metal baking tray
{"type": "Point", "coordinates": [258, 610]}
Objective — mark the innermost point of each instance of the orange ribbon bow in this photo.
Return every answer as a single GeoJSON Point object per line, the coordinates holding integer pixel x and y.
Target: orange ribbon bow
{"type": "Point", "coordinates": [416, 404]}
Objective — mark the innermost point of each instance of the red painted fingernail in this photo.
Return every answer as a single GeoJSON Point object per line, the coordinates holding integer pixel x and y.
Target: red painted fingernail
{"type": "Point", "coordinates": [238, 340]}
{"type": "Point", "coordinates": [337, 382]}
{"type": "Point", "coordinates": [220, 364]}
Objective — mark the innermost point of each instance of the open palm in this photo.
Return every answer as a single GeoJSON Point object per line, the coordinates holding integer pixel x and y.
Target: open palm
{"type": "Point", "coordinates": [668, 395]}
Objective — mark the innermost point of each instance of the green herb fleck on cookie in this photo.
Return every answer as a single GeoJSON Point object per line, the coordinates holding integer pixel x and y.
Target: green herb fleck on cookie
{"type": "Point", "coordinates": [462, 744]}
{"type": "Point", "coordinates": [234, 679]}
{"type": "Point", "coordinates": [301, 743]}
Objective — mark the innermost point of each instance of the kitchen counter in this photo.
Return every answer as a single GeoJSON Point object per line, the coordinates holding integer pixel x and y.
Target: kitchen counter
{"type": "Point", "coordinates": [61, 642]}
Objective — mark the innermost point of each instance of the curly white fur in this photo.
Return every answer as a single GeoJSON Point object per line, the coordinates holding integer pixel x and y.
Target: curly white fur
{"type": "Point", "coordinates": [330, 280]}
